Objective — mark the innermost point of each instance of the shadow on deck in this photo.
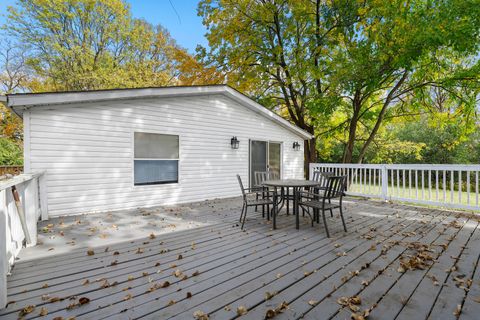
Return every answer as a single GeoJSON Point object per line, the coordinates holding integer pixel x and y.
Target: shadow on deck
{"type": "Point", "coordinates": [190, 261]}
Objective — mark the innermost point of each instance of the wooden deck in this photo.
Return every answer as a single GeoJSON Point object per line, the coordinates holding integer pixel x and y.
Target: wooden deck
{"type": "Point", "coordinates": [396, 262]}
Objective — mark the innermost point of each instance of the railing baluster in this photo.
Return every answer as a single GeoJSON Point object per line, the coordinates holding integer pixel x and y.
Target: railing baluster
{"type": "Point", "coordinates": [452, 182]}
{"type": "Point", "coordinates": [476, 188]}
{"type": "Point", "coordinates": [409, 183]}
{"type": "Point", "coordinates": [468, 187]}
{"type": "Point", "coordinates": [369, 180]}
{"type": "Point", "coordinates": [365, 181]}
{"type": "Point", "coordinates": [423, 184]}
{"type": "Point", "coordinates": [436, 183]}
{"type": "Point", "coordinates": [459, 186]}
{"type": "Point", "coordinates": [398, 183]}
{"type": "Point", "coordinates": [416, 184]}
{"type": "Point", "coordinates": [444, 186]}
{"type": "Point", "coordinates": [429, 185]}
{"type": "Point", "coordinates": [392, 192]}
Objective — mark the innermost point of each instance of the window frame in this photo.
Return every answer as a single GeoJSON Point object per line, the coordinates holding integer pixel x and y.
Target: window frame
{"type": "Point", "coordinates": [154, 184]}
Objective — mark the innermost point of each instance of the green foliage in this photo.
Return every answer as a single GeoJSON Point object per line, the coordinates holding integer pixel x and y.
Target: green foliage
{"type": "Point", "coordinates": [345, 69]}
{"type": "Point", "coordinates": [92, 44]}
{"type": "Point", "coordinates": [11, 153]}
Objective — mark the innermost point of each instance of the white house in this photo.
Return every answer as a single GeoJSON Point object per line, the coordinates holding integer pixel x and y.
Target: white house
{"type": "Point", "coordinates": [116, 149]}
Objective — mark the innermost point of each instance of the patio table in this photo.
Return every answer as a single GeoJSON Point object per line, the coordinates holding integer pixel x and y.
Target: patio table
{"type": "Point", "coordinates": [295, 184]}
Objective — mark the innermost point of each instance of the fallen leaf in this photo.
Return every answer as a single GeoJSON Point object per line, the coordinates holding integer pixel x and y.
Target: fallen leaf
{"type": "Point", "coordinates": [86, 282]}
{"type": "Point", "coordinates": [312, 302]}
{"type": "Point", "coordinates": [165, 284]}
{"type": "Point", "coordinates": [241, 310]}
{"type": "Point", "coordinates": [200, 315]}
{"type": "Point", "coordinates": [270, 314]}
{"type": "Point", "coordinates": [189, 295]}
{"type": "Point", "coordinates": [180, 257]}
{"type": "Point", "coordinates": [43, 312]}
{"type": "Point", "coordinates": [90, 252]}
{"type": "Point", "coordinates": [269, 295]}
{"type": "Point", "coordinates": [83, 300]}
{"type": "Point", "coordinates": [152, 236]}
{"type": "Point", "coordinates": [177, 273]}
{"type": "Point", "coordinates": [127, 297]}
{"type": "Point", "coordinates": [171, 302]}
{"type": "Point", "coordinates": [196, 273]}
{"type": "Point", "coordinates": [26, 310]}
{"type": "Point", "coordinates": [458, 310]}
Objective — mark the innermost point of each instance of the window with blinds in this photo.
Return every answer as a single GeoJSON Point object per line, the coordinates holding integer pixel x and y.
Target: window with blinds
{"type": "Point", "coordinates": [155, 158]}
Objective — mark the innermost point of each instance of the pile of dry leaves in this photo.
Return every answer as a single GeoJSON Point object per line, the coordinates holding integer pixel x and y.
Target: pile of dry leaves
{"type": "Point", "coordinates": [420, 259]}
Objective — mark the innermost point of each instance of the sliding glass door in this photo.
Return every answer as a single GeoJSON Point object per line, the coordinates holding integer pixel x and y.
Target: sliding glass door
{"type": "Point", "coordinates": [265, 156]}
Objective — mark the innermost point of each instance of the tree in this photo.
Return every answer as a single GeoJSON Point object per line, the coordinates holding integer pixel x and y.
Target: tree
{"type": "Point", "coordinates": [14, 77]}
{"type": "Point", "coordinates": [92, 44]}
{"type": "Point", "coordinates": [339, 66]}
{"type": "Point", "coordinates": [10, 153]}
{"type": "Point", "coordinates": [278, 52]}
{"type": "Point", "coordinates": [15, 73]}
{"type": "Point", "coordinates": [396, 50]}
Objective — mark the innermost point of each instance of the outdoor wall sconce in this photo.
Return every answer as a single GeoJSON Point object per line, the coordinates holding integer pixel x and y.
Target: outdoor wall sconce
{"type": "Point", "coordinates": [296, 146]}
{"type": "Point", "coordinates": [234, 143]}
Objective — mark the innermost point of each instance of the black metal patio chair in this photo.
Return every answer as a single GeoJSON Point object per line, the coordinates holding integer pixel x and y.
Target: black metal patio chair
{"type": "Point", "coordinates": [335, 190]}
{"type": "Point", "coordinates": [250, 199]}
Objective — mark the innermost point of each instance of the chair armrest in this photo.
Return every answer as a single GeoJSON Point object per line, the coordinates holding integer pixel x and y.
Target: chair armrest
{"type": "Point", "coordinates": [307, 194]}
{"type": "Point", "coordinates": [255, 189]}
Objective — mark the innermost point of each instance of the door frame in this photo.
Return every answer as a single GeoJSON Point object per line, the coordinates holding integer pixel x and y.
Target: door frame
{"type": "Point", "coordinates": [267, 156]}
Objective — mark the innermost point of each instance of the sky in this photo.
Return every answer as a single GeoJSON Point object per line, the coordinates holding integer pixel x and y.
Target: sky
{"type": "Point", "coordinates": [178, 16]}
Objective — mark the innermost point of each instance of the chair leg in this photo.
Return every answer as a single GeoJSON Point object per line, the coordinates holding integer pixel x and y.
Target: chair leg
{"type": "Point", "coordinates": [241, 214]}
{"type": "Point", "coordinates": [331, 213]}
{"type": "Point", "coordinates": [343, 220]}
{"type": "Point", "coordinates": [244, 216]}
{"type": "Point", "coordinates": [256, 198]}
{"type": "Point", "coordinates": [325, 224]}
{"type": "Point", "coordinates": [268, 212]}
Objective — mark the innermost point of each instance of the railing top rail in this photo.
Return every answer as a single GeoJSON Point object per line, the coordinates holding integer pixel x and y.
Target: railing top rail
{"type": "Point", "coordinates": [413, 166]}
{"type": "Point", "coordinates": [16, 180]}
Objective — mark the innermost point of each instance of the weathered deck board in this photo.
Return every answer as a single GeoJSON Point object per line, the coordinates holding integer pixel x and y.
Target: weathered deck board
{"type": "Point", "coordinates": [237, 268]}
{"type": "Point", "coordinates": [322, 291]}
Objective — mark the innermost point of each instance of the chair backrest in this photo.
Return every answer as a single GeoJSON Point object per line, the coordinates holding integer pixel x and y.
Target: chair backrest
{"type": "Point", "coordinates": [241, 185]}
{"type": "Point", "coordinates": [322, 178]}
{"type": "Point", "coordinates": [273, 175]}
{"type": "Point", "coordinates": [335, 187]}
{"type": "Point", "coordinates": [260, 177]}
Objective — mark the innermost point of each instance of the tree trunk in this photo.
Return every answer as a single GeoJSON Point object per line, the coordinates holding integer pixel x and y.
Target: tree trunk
{"type": "Point", "coordinates": [352, 129]}
{"type": "Point", "coordinates": [310, 154]}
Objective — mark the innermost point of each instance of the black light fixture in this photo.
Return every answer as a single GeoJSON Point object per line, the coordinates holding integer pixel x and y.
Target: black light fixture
{"type": "Point", "coordinates": [296, 146]}
{"type": "Point", "coordinates": [234, 143]}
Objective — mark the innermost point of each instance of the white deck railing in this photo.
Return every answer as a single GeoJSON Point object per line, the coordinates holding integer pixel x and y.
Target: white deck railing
{"type": "Point", "coordinates": [453, 186]}
{"type": "Point", "coordinates": [23, 201]}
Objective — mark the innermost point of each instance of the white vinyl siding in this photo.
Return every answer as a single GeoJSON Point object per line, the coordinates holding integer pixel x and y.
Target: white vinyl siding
{"type": "Point", "coordinates": [87, 150]}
